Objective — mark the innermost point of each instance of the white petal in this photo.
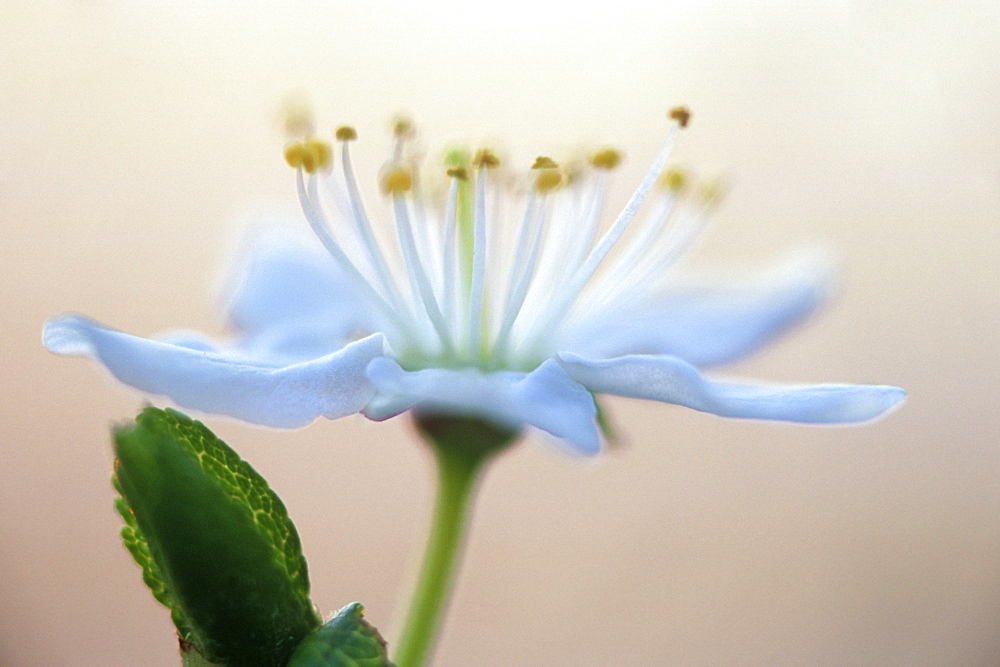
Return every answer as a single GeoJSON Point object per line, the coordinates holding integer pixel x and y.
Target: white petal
{"type": "Point", "coordinates": [546, 398]}
{"type": "Point", "coordinates": [668, 379]}
{"type": "Point", "coordinates": [256, 391]}
{"type": "Point", "coordinates": [706, 325]}
{"type": "Point", "coordinates": [288, 298]}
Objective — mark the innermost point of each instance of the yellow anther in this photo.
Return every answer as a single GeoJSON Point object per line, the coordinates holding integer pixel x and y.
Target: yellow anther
{"type": "Point", "coordinates": [547, 180]}
{"type": "Point", "coordinates": [485, 158]}
{"type": "Point", "coordinates": [397, 179]}
{"type": "Point", "coordinates": [710, 193]}
{"type": "Point", "coordinates": [346, 133]}
{"type": "Point", "coordinates": [298, 118]}
{"type": "Point", "coordinates": [607, 158]}
{"type": "Point", "coordinates": [402, 127]}
{"type": "Point", "coordinates": [310, 155]}
{"type": "Point", "coordinates": [674, 180]}
{"type": "Point", "coordinates": [321, 151]}
{"type": "Point", "coordinates": [461, 173]}
{"type": "Point", "coordinates": [542, 162]}
{"type": "Point", "coordinates": [295, 154]}
{"type": "Point", "coordinates": [682, 115]}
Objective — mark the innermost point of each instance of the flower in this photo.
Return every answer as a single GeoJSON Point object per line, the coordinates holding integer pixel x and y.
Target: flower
{"type": "Point", "coordinates": [520, 325]}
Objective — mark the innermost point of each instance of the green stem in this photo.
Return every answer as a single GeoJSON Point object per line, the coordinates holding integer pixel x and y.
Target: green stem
{"type": "Point", "coordinates": [461, 448]}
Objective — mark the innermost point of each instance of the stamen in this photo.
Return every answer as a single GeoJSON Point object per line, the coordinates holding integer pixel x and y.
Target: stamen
{"type": "Point", "coordinates": [583, 240]}
{"type": "Point", "coordinates": [297, 118]}
{"type": "Point", "coordinates": [402, 129]}
{"type": "Point", "coordinates": [678, 241]}
{"type": "Point", "coordinates": [321, 152]}
{"type": "Point", "coordinates": [549, 177]}
{"type": "Point", "coordinates": [522, 250]}
{"type": "Point", "coordinates": [611, 285]}
{"type": "Point", "coordinates": [542, 162]}
{"type": "Point", "coordinates": [484, 161]}
{"type": "Point", "coordinates": [458, 159]}
{"type": "Point", "coordinates": [710, 193]}
{"type": "Point", "coordinates": [618, 227]}
{"type": "Point", "coordinates": [604, 161]}
{"type": "Point", "coordinates": [485, 158]}
{"type": "Point", "coordinates": [402, 126]}
{"type": "Point", "coordinates": [674, 180]}
{"type": "Point", "coordinates": [397, 180]}
{"type": "Point", "coordinates": [607, 159]}
{"type": "Point", "coordinates": [295, 154]}
{"type": "Point", "coordinates": [450, 253]}
{"type": "Point", "coordinates": [346, 133]}
{"type": "Point", "coordinates": [310, 155]}
{"type": "Point", "coordinates": [317, 221]}
{"type": "Point", "coordinates": [682, 115]}
{"type": "Point", "coordinates": [423, 291]}
{"type": "Point", "coordinates": [527, 251]}
{"type": "Point", "coordinates": [361, 222]}
{"type": "Point", "coordinates": [566, 296]}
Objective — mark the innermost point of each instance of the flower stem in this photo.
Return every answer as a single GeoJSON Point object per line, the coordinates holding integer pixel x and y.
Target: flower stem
{"type": "Point", "coordinates": [462, 447]}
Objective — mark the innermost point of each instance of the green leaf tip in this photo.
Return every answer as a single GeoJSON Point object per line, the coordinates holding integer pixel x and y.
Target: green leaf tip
{"type": "Point", "coordinates": [214, 542]}
{"type": "Point", "coordinates": [346, 640]}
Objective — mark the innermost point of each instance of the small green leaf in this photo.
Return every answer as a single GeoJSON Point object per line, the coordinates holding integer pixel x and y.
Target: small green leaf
{"type": "Point", "coordinates": [346, 640]}
{"type": "Point", "coordinates": [136, 544]}
{"type": "Point", "coordinates": [215, 543]}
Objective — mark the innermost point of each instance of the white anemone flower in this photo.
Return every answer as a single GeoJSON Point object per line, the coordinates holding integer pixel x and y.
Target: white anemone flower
{"type": "Point", "coordinates": [519, 324]}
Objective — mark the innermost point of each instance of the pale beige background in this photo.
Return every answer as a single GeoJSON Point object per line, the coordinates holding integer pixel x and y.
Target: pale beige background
{"type": "Point", "coordinates": [134, 137]}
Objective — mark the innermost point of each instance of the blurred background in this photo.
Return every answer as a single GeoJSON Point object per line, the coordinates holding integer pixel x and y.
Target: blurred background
{"type": "Point", "coordinates": [137, 137]}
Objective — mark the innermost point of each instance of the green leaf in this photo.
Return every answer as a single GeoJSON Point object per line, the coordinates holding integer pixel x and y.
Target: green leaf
{"type": "Point", "coordinates": [346, 640]}
{"type": "Point", "coordinates": [190, 657]}
{"type": "Point", "coordinates": [214, 542]}
{"type": "Point", "coordinates": [136, 544]}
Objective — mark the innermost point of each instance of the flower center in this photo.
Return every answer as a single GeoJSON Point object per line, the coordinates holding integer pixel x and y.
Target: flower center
{"type": "Point", "coordinates": [460, 290]}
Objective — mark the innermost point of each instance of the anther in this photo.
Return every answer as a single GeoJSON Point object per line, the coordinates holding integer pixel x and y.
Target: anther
{"type": "Point", "coordinates": [397, 179]}
{"type": "Point", "coordinates": [548, 179]}
{"type": "Point", "coordinates": [485, 158]}
{"type": "Point", "coordinates": [298, 118]}
{"type": "Point", "coordinates": [321, 153]}
{"type": "Point", "coordinates": [346, 133]}
{"type": "Point", "coordinates": [542, 162]}
{"type": "Point", "coordinates": [711, 192]}
{"type": "Point", "coordinates": [402, 127]}
{"type": "Point", "coordinates": [674, 180]}
{"type": "Point", "coordinates": [461, 173]}
{"type": "Point", "coordinates": [607, 158]}
{"type": "Point", "coordinates": [310, 155]}
{"type": "Point", "coordinates": [682, 115]}
{"type": "Point", "coordinates": [295, 154]}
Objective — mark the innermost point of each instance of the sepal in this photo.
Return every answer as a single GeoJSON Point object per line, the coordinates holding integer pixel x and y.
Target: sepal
{"type": "Point", "coordinates": [346, 640]}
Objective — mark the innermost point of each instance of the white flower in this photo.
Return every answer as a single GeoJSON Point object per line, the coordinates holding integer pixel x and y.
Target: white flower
{"type": "Point", "coordinates": [469, 314]}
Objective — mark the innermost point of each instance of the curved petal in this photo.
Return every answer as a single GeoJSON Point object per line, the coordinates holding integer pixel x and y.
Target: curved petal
{"type": "Point", "coordinates": [706, 325]}
{"type": "Point", "coordinates": [255, 391]}
{"type": "Point", "coordinates": [669, 379]}
{"type": "Point", "coordinates": [288, 298]}
{"type": "Point", "coordinates": [546, 398]}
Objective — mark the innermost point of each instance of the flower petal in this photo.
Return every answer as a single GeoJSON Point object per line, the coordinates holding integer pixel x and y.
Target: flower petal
{"type": "Point", "coordinates": [288, 298]}
{"type": "Point", "coordinates": [669, 379]}
{"type": "Point", "coordinates": [546, 398]}
{"type": "Point", "coordinates": [706, 325]}
{"type": "Point", "coordinates": [255, 391]}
